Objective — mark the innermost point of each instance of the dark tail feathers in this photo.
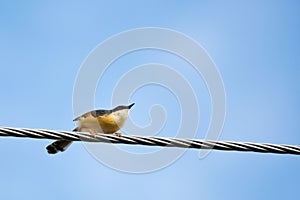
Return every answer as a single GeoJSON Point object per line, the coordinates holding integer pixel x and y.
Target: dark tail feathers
{"type": "Point", "coordinates": [59, 145]}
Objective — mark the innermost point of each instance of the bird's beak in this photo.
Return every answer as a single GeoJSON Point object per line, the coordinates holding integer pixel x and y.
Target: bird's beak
{"type": "Point", "coordinates": [130, 105]}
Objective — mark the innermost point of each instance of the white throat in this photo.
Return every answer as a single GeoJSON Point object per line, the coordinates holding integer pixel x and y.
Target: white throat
{"type": "Point", "coordinates": [120, 117]}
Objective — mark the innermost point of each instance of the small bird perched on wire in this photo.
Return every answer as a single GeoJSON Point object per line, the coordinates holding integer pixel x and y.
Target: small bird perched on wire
{"type": "Point", "coordinates": [96, 121]}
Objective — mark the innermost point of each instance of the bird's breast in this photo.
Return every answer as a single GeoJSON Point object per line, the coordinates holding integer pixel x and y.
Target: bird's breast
{"type": "Point", "coordinates": [108, 124]}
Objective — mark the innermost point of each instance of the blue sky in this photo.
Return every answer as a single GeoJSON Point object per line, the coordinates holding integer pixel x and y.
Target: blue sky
{"type": "Point", "coordinates": [255, 46]}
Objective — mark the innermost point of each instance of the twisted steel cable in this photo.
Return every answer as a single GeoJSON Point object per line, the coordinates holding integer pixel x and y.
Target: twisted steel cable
{"type": "Point", "coordinates": [151, 141]}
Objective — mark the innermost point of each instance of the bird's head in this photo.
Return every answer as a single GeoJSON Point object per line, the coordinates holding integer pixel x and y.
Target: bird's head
{"type": "Point", "coordinates": [121, 112]}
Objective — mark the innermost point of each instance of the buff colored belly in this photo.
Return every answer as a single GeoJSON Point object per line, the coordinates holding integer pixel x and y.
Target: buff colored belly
{"type": "Point", "coordinates": [101, 124]}
{"type": "Point", "coordinates": [108, 124]}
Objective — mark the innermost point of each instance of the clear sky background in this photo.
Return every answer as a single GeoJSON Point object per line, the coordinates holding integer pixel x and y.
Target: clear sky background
{"type": "Point", "coordinates": [255, 45]}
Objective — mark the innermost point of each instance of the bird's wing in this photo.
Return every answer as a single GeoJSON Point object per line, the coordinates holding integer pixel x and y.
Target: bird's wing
{"type": "Point", "coordinates": [94, 113]}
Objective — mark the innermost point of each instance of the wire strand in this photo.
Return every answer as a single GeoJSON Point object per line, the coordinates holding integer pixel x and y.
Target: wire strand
{"type": "Point", "coordinates": [151, 141]}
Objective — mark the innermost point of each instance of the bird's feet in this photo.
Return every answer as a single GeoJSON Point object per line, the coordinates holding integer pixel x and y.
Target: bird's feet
{"type": "Point", "coordinates": [118, 134]}
{"type": "Point", "coordinates": [92, 132]}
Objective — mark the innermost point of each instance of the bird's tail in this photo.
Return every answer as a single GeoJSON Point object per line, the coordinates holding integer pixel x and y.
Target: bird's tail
{"type": "Point", "coordinates": [59, 145]}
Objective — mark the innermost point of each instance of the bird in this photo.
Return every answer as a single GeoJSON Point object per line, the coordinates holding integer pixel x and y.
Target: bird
{"type": "Point", "coordinates": [95, 121]}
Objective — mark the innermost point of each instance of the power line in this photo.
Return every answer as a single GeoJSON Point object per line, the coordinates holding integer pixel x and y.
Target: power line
{"type": "Point", "coordinates": [151, 141]}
